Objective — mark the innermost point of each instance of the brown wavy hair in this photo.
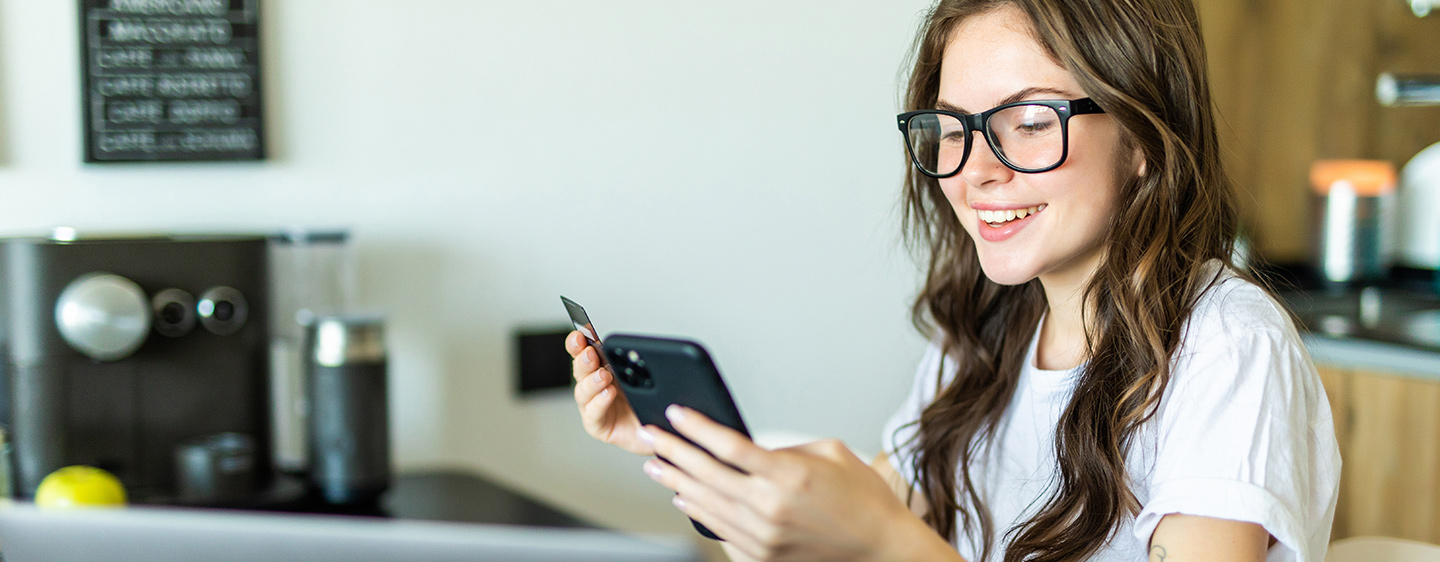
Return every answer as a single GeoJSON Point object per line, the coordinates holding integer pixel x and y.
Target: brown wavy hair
{"type": "Point", "coordinates": [1144, 62]}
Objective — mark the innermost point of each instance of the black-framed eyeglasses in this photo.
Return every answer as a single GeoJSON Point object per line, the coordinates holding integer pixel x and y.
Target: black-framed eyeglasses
{"type": "Point", "coordinates": [1027, 136]}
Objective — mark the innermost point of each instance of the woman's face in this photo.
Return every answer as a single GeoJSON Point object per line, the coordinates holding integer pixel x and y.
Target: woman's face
{"type": "Point", "coordinates": [992, 59]}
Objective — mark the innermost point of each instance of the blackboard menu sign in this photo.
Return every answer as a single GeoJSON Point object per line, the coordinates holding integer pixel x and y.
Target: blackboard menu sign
{"type": "Point", "coordinates": [171, 80]}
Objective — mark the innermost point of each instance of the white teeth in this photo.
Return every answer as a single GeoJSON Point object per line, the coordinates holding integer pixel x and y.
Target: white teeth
{"type": "Point", "coordinates": [998, 217]}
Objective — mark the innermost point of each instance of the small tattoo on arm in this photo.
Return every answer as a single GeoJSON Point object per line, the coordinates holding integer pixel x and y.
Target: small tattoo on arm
{"type": "Point", "coordinates": [1157, 553]}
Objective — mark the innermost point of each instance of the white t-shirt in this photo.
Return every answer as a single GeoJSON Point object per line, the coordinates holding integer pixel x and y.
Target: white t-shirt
{"type": "Point", "coordinates": [1244, 432]}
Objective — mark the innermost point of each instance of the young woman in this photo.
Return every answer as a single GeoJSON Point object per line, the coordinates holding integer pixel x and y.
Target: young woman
{"type": "Point", "coordinates": [1101, 383]}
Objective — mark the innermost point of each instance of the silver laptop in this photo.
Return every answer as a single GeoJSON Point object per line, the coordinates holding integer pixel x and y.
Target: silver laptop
{"type": "Point", "coordinates": [148, 534]}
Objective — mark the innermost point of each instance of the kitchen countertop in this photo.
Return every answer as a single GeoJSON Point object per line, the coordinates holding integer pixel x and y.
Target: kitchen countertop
{"type": "Point", "coordinates": [1391, 325]}
{"type": "Point", "coordinates": [1392, 316]}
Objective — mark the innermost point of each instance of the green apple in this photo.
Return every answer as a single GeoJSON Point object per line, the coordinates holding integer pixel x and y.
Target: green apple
{"type": "Point", "coordinates": [75, 486]}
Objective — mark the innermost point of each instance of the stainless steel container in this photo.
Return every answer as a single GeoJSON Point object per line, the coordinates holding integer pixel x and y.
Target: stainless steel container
{"type": "Point", "coordinates": [349, 414]}
{"type": "Point", "coordinates": [1353, 216]}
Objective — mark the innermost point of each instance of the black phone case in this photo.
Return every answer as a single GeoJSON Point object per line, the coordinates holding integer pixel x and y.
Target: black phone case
{"type": "Point", "coordinates": [682, 373]}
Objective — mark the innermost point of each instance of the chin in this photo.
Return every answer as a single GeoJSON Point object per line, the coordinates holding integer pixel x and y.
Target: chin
{"type": "Point", "coordinates": [1007, 272]}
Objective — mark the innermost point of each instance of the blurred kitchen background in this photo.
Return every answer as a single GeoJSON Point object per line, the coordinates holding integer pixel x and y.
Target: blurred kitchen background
{"type": "Point", "coordinates": [727, 171]}
{"type": "Point", "coordinates": [1299, 83]}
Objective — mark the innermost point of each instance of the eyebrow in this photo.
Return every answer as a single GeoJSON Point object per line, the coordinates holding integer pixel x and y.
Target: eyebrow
{"type": "Point", "coordinates": [1012, 98]}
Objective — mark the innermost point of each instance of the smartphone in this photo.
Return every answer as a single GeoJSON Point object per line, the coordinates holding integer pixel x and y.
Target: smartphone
{"type": "Point", "coordinates": [656, 372]}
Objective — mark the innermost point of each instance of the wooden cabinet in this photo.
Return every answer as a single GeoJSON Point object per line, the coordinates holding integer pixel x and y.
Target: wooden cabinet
{"type": "Point", "coordinates": [1388, 427]}
{"type": "Point", "coordinates": [1294, 82]}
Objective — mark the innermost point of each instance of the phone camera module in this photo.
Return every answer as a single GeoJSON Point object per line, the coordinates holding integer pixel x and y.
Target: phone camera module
{"type": "Point", "coordinates": [637, 376]}
{"type": "Point", "coordinates": [630, 368]}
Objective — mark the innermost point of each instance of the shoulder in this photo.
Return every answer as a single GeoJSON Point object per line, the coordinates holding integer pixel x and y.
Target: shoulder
{"type": "Point", "coordinates": [1235, 306]}
{"type": "Point", "coordinates": [1233, 316]}
{"type": "Point", "coordinates": [1240, 346]}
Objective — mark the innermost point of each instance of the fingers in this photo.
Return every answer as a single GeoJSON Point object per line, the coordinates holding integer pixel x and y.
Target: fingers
{"type": "Point", "coordinates": [724, 515]}
{"type": "Point", "coordinates": [590, 379]}
{"type": "Point", "coordinates": [596, 408]}
{"type": "Point", "coordinates": [725, 443]}
{"type": "Point", "coordinates": [586, 361]}
{"type": "Point", "coordinates": [697, 464]}
{"type": "Point", "coordinates": [722, 527]}
{"type": "Point", "coordinates": [591, 384]}
{"type": "Point", "coordinates": [575, 343]}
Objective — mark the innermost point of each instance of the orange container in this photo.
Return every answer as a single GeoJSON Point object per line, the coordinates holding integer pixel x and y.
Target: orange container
{"type": "Point", "coordinates": [1369, 178]}
{"type": "Point", "coordinates": [1352, 209]}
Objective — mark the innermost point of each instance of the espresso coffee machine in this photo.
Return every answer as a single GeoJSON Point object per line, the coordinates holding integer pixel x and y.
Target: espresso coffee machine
{"type": "Point", "coordinates": [116, 351]}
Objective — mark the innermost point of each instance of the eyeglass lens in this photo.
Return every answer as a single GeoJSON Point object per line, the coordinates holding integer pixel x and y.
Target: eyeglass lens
{"type": "Point", "coordinates": [1028, 137]}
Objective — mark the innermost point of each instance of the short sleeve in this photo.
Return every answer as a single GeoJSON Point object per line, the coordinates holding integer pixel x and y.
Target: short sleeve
{"type": "Point", "coordinates": [898, 437]}
{"type": "Point", "coordinates": [1245, 433]}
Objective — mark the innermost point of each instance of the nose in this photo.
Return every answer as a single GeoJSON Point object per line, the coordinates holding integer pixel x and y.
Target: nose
{"type": "Point", "coordinates": [983, 166]}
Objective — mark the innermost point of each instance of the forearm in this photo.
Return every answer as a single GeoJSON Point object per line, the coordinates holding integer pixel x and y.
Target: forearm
{"type": "Point", "coordinates": [911, 540]}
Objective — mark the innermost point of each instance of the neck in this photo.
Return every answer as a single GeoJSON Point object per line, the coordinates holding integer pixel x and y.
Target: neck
{"type": "Point", "coordinates": [1062, 336]}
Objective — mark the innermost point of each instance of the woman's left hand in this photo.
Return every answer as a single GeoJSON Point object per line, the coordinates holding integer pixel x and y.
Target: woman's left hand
{"type": "Point", "coordinates": [814, 501]}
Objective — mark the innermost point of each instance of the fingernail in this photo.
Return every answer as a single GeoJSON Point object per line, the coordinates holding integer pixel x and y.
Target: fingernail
{"type": "Point", "coordinates": [653, 470]}
{"type": "Point", "coordinates": [595, 377]}
{"type": "Point", "coordinates": [679, 503]}
{"type": "Point", "coordinates": [585, 357]}
{"type": "Point", "coordinates": [675, 413]}
{"type": "Point", "coordinates": [645, 436]}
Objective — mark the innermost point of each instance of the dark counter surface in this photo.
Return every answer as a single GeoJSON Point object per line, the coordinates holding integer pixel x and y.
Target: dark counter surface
{"type": "Point", "coordinates": [1402, 310]}
{"type": "Point", "coordinates": [448, 495]}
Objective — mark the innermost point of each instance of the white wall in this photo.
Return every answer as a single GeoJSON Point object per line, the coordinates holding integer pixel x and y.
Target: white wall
{"type": "Point", "coordinates": [728, 171]}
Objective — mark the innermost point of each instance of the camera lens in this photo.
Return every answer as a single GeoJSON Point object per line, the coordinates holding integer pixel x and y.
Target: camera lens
{"type": "Point", "coordinates": [638, 376]}
{"type": "Point", "coordinates": [174, 312]}
{"type": "Point", "coordinates": [222, 310]}
{"type": "Point", "coordinates": [630, 368]}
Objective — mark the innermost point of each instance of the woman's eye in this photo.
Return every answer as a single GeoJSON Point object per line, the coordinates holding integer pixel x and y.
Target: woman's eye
{"type": "Point", "coordinates": [1034, 127]}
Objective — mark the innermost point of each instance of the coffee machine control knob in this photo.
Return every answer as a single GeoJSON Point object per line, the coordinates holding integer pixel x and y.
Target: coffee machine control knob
{"type": "Point", "coordinates": [103, 316]}
{"type": "Point", "coordinates": [223, 310]}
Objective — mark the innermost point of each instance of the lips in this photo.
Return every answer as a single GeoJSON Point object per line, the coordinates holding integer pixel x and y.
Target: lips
{"type": "Point", "coordinates": [996, 225]}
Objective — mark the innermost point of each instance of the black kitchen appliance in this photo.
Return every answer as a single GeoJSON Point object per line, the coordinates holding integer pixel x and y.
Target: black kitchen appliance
{"type": "Point", "coordinates": [349, 417]}
{"type": "Point", "coordinates": [116, 351]}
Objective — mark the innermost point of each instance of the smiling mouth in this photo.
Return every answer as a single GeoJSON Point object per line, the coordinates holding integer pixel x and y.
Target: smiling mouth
{"type": "Point", "coordinates": [998, 218]}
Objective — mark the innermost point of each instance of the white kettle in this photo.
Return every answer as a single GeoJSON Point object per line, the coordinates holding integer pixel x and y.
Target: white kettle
{"type": "Point", "coordinates": [1417, 236]}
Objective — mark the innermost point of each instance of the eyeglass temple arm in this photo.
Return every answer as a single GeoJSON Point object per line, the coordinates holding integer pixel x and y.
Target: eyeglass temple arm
{"type": "Point", "coordinates": [1085, 105]}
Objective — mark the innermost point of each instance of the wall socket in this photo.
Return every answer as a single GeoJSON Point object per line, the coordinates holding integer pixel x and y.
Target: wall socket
{"type": "Point", "coordinates": [541, 363]}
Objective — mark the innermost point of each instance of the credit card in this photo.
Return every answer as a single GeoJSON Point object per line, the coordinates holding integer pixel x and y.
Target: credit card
{"type": "Point", "coordinates": [582, 323]}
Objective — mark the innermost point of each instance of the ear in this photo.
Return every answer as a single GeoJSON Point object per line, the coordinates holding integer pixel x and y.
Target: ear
{"type": "Point", "coordinates": [1139, 162]}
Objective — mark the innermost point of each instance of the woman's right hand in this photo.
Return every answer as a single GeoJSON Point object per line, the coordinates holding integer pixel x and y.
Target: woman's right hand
{"type": "Point", "coordinates": [603, 408]}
